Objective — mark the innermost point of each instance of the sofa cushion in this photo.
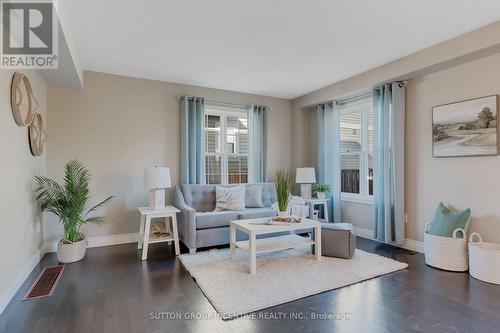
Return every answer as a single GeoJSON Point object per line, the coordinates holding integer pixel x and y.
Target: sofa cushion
{"type": "Point", "coordinates": [202, 197]}
{"type": "Point", "coordinates": [199, 197]}
{"type": "Point", "coordinates": [232, 198]}
{"type": "Point", "coordinates": [207, 220]}
{"type": "Point", "coordinates": [253, 196]}
{"type": "Point", "coordinates": [255, 213]}
{"type": "Point", "coordinates": [268, 194]}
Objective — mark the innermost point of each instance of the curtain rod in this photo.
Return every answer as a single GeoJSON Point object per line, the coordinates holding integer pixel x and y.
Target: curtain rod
{"type": "Point", "coordinates": [354, 98]}
{"type": "Point", "coordinates": [403, 83]}
{"type": "Point", "coordinates": [243, 106]}
{"type": "Point", "coordinates": [361, 95]}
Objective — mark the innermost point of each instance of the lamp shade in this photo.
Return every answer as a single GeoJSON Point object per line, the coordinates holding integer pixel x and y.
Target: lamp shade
{"type": "Point", "coordinates": [305, 176]}
{"type": "Point", "coordinates": [157, 178]}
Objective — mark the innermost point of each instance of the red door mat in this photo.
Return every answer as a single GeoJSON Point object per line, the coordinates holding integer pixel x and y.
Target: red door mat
{"type": "Point", "coordinates": [45, 283]}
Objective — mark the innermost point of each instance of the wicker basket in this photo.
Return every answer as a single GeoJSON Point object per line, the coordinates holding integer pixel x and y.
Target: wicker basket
{"type": "Point", "coordinates": [448, 253]}
{"type": "Point", "coordinates": [484, 259]}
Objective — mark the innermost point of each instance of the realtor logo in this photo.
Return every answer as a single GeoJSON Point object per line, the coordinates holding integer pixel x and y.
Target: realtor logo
{"type": "Point", "coordinates": [29, 35]}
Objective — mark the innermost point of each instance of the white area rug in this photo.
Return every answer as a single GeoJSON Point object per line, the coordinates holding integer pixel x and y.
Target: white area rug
{"type": "Point", "coordinates": [281, 276]}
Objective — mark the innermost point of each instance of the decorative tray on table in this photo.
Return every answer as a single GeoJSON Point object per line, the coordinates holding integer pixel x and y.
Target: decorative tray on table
{"type": "Point", "coordinates": [283, 220]}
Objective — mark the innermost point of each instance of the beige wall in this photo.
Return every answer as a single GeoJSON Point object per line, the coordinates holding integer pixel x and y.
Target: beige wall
{"type": "Point", "coordinates": [459, 50]}
{"type": "Point", "coordinates": [452, 57]}
{"type": "Point", "coordinates": [461, 182]}
{"type": "Point", "coordinates": [119, 125]}
{"type": "Point", "coordinates": [20, 227]}
{"type": "Point", "coordinates": [473, 45]}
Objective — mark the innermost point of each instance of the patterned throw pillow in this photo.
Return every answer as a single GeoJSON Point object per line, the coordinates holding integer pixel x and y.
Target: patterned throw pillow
{"type": "Point", "coordinates": [230, 198]}
{"type": "Point", "coordinates": [446, 221]}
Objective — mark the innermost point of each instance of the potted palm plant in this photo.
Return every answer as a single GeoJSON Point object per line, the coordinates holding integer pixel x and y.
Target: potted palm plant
{"type": "Point", "coordinates": [70, 202]}
{"type": "Point", "coordinates": [321, 190]}
{"type": "Point", "coordinates": [283, 181]}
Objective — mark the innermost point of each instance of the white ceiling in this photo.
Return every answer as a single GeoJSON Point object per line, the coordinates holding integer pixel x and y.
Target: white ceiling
{"type": "Point", "coordinates": [279, 48]}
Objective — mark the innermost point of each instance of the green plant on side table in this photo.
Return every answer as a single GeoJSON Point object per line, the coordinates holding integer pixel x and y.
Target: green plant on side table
{"type": "Point", "coordinates": [321, 190]}
{"type": "Point", "coordinates": [283, 182]}
{"type": "Point", "coordinates": [70, 202]}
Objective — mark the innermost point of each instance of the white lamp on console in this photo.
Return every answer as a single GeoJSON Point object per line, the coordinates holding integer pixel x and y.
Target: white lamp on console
{"type": "Point", "coordinates": [305, 177]}
{"type": "Point", "coordinates": [156, 180]}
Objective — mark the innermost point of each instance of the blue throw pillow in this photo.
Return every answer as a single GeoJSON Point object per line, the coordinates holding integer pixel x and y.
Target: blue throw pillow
{"type": "Point", "coordinates": [446, 221]}
{"type": "Point", "coordinates": [253, 196]}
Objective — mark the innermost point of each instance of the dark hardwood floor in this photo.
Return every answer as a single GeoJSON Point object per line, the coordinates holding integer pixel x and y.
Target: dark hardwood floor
{"type": "Point", "coordinates": [111, 290]}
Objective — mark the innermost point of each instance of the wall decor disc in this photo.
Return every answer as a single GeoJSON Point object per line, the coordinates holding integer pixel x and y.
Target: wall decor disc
{"type": "Point", "coordinates": [21, 100]}
{"type": "Point", "coordinates": [37, 135]}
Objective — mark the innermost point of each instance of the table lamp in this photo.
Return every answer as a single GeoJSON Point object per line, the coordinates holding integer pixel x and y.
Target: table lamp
{"type": "Point", "coordinates": [305, 177]}
{"type": "Point", "coordinates": [156, 180]}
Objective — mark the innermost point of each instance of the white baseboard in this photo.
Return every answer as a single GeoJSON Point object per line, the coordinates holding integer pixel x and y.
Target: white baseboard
{"type": "Point", "coordinates": [409, 244]}
{"type": "Point", "coordinates": [414, 245]}
{"type": "Point", "coordinates": [99, 241]}
{"type": "Point", "coordinates": [362, 232]}
{"type": "Point", "coordinates": [19, 279]}
{"type": "Point", "coordinates": [49, 247]}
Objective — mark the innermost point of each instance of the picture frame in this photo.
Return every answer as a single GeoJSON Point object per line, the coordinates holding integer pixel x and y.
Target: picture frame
{"type": "Point", "coordinates": [466, 128]}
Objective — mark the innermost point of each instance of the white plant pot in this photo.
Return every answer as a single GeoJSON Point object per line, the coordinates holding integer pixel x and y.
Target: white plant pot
{"type": "Point", "coordinates": [321, 195]}
{"type": "Point", "coordinates": [68, 253]}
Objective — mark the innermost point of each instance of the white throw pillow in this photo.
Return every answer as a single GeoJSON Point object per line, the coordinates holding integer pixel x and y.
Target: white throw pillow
{"type": "Point", "coordinates": [230, 198]}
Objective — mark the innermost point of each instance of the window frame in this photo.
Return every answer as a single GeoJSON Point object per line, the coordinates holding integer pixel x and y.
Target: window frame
{"type": "Point", "coordinates": [363, 197]}
{"type": "Point", "coordinates": [224, 112]}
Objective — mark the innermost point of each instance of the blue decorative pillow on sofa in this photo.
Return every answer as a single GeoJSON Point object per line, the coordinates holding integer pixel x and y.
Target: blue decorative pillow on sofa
{"type": "Point", "coordinates": [253, 196]}
{"type": "Point", "coordinates": [446, 221]}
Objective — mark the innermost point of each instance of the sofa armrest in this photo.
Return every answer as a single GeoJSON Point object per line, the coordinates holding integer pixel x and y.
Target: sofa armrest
{"type": "Point", "coordinates": [187, 221]}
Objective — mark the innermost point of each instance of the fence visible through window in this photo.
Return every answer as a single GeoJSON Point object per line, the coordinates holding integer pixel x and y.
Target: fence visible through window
{"type": "Point", "coordinates": [350, 181]}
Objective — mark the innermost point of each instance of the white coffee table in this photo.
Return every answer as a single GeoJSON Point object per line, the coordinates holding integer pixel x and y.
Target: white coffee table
{"type": "Point", "coordinates": [256, 227]}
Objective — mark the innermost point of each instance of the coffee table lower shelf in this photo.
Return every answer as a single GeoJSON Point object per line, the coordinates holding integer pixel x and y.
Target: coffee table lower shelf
{"type": "Point", "coordinates": [277, 239]}
{"type": "Point", "coordinates": [278, 243]}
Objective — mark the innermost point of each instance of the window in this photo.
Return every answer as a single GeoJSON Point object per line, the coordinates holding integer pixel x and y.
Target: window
{"type": "Point", "coordinates": [356, 150]}
{"type": "Point", "coordinates": [226, 145]}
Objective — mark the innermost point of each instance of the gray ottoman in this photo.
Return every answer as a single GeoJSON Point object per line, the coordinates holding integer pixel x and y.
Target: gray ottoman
{"type": "Point", "coordinates": [337, 240]}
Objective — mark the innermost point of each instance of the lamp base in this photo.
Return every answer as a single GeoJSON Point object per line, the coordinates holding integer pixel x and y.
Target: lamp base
{"type": "Point", "coordinates": [305, 191]}
{"type": "Point", "coordinates": [157, 199]}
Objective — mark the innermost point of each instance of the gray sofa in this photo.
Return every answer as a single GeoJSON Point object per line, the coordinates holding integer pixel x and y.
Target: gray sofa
{"type": "Point", "coordinates": [200, 226]}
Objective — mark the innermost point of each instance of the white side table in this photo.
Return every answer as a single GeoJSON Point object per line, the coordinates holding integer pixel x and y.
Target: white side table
{"type": "Point", "coordinates": [145, 238]}
{"type": "Point", "coordinates": [314, 202]}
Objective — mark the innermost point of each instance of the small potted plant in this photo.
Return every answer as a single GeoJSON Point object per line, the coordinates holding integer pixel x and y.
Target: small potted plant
{"type": "Point", "coordinates": [283, 181]}
{"type": "Point", "coordinates": [321, 190]}
{"type": "Point", "coordinates": [69, 202]}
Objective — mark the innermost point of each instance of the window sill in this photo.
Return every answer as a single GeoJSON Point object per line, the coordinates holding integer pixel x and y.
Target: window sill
{"type": "Point", "coordinates": [366, 200]}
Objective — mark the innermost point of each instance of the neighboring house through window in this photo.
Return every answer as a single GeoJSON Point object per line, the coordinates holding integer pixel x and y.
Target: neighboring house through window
{"type": "Point", "coordinates": [356, 149]}
{"type": "Point", "coordinates": [226, 145]}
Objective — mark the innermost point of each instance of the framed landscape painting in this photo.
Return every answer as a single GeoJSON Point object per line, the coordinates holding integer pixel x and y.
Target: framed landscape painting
{"type": "Point", "coordinates": [467, 128]}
